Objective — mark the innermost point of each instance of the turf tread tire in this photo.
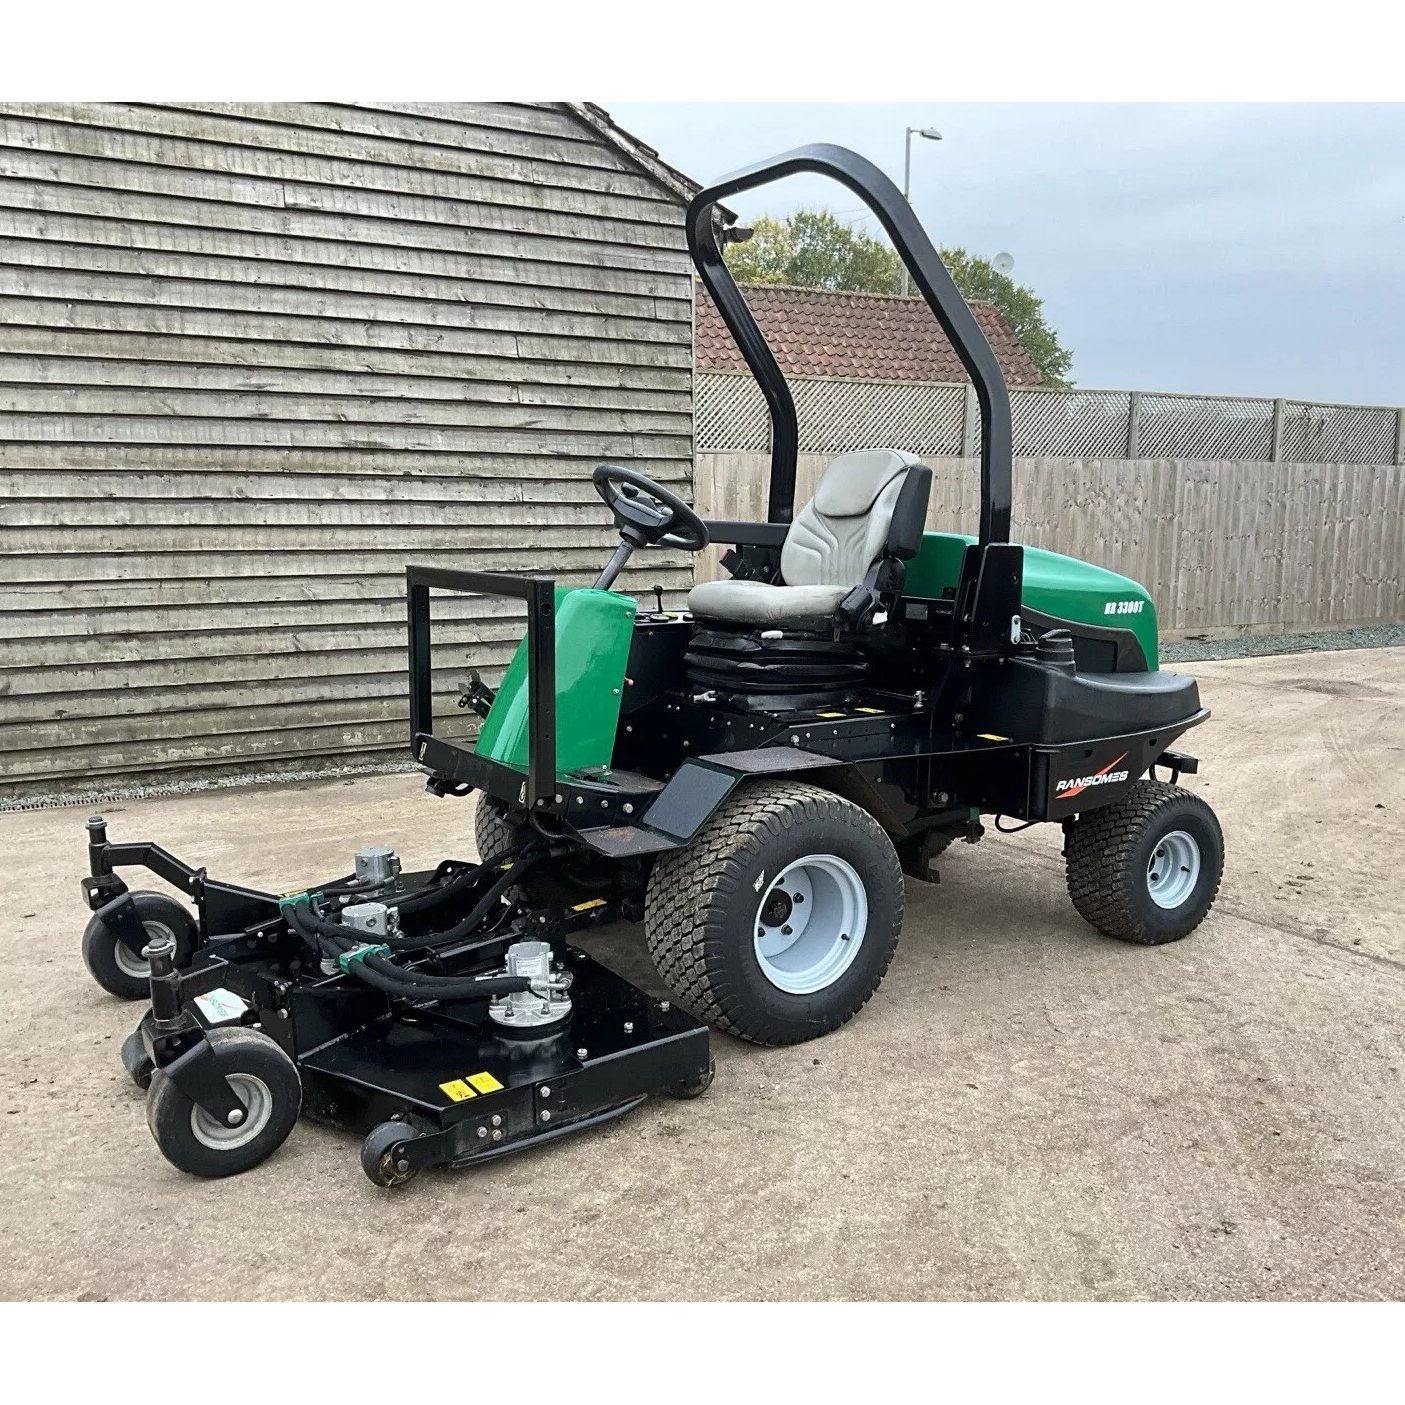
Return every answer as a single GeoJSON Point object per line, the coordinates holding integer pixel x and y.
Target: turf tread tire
{"type": "Point", "coordinates": [1107, 867]}
{"type": "Point", "coordinates": [692, 889]}
{"type": "Point", "coordinates": [491, 832]}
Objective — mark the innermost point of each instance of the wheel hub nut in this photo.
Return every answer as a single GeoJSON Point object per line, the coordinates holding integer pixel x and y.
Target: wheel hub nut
{"type": "Point", "coordinates": [236, 1116]}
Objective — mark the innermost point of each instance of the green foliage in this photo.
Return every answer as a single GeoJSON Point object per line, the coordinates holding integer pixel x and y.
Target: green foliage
{"type": "Point", "coordinates": [979, 281]}
{"type": "Point", "coordinates": [816, 249]}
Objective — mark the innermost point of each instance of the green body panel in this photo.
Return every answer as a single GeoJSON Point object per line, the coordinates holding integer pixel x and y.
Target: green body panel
{"type": "Point", "coordinates": [593, 633]}
{"type": "Point", "coordinates": [1055, 585]}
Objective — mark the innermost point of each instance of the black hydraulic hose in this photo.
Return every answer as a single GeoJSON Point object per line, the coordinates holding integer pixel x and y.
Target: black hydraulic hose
{"type": "Point", "coordinates": [431, 897]}
{"type": "Point", "coordinates": [313, 923]}
{"type": "Point", "coordinates": [484, 906]}
{"type": "Point", "coordinates": [390, 978]}
{"type": "Point", "coordinates": [331, 939]}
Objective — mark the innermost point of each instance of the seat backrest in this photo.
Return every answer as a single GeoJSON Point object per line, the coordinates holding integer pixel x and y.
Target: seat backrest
{"type": "Point", "coordinates": [844, 528]}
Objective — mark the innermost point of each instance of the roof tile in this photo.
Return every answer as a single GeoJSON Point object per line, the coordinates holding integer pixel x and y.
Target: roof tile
{"type": "Point", "coordinates": [866, 336]}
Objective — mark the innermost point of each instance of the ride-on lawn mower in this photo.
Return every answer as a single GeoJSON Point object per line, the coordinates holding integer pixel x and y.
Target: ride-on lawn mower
{"type": "Point", "coordinates": [751, 777]}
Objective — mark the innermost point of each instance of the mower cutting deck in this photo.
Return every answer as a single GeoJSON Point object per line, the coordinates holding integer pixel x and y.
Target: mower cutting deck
{"type": "Point", "coordinates": [751, 776]}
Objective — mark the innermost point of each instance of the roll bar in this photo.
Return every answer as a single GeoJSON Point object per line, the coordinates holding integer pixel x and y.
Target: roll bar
{"type": "Point", "coordinates": [928, 273]}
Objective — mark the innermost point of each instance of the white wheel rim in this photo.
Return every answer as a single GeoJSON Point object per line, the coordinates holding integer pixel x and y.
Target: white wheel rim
{"type": "Point", "coordinates": [810, 924]}
{"type": "Point", "coordinates": [1173, 869]}
{"type": "Point", "coordinates": [129, 962]}
{"type": "Point", "coordinates": [258, 1108]}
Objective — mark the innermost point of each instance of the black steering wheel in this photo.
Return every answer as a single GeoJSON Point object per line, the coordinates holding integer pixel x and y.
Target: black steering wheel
{"type": "Point", "coordinates": [646, 513]}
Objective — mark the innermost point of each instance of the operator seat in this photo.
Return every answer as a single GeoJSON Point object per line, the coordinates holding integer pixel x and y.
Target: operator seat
{"type": "Point", "coordinates": [870, 504]}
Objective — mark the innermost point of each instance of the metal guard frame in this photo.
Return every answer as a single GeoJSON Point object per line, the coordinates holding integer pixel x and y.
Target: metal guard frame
{"type": "Point", "coordinates": [539, 593]}
{"type": "Point", "coordinates": [928, 272]}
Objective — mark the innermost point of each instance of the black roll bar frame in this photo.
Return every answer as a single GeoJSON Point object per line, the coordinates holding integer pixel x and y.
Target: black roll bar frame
{"type": "Point", "coordinates": [933, 281]}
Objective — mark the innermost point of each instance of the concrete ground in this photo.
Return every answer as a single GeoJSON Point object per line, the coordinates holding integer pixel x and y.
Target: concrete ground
{"type": "Point", "coordinates": [1025, 1109]}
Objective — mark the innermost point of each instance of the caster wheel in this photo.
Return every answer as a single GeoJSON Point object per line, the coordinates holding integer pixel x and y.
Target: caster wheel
{"type": "Point", "coordinates": [264, 1079]}
{"type": "Point", "coordinates": [378, 1158]}
{"type": "Point", "coordinates": [695, 1089]}
{"type": "Point", "coordinates": [136, 1060]}
{"type": "Point", "coordinates": [116, 967]}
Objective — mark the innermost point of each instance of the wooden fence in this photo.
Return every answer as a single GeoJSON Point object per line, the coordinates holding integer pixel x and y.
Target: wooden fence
{"type": "Point", "coordinates": [1224, 547]}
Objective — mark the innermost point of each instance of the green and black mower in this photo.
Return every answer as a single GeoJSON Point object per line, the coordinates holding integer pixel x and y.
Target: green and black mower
{"type": "Point", "coordinates": [751, 777]}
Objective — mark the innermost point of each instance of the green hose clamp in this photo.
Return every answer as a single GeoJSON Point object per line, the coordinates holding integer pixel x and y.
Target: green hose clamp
{"type": "Point", "coordinates": [360, 953]}
{"type": "Point", "coordinates": [293, 899]}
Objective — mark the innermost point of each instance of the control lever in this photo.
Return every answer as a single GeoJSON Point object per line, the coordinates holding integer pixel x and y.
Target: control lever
{"type": "Point", "coordinates": [658, 598]}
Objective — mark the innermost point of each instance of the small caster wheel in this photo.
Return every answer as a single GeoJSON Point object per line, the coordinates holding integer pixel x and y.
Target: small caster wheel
{"type": "Point", "coordinates": [136, 1060]}
{"type": "Point", "coordinates": [696, 1087]}
{"type": "Point", "coordinates": [264, 1079]}
{"type": "Point", "coordinates": [116, 967]}
{"type": "Point", "coordinates": [378, 1159]}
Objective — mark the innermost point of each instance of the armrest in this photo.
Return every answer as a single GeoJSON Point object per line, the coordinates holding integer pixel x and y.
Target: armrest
{"type": "Point", "coordinates": [748, 533]}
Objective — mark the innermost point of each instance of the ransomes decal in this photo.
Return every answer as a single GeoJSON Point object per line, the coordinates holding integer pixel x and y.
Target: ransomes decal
{"type": "Point", "coordinates": [1075, 785]}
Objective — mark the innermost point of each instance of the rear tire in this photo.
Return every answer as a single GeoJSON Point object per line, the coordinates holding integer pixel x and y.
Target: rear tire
{"type": "Point", "coordinates": [1146, 869]}
{"type": "Point", "coordinates": [720, 912]}
{"type": "Point", "coordinates": [116, 967]}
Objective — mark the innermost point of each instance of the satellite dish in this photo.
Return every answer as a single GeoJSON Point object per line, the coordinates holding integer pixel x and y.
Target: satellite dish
{"type": "Point", "coordinates": [1003, 263]}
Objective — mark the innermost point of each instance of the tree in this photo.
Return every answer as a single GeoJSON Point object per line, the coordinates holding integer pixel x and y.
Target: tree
{"type": "Point", "coordinates": [816, 249]}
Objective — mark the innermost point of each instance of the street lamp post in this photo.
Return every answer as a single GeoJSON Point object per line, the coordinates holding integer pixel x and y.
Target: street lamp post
{"type": "Point", "coordinates": [931, 134]}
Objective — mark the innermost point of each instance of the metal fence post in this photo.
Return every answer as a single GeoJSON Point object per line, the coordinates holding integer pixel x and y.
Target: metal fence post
{"type": "Point", "coordinates": [970, 422]}
{"type": "Point", "coordinates": [1275, 442]}
{"type": "Point", "coordinates": [1400, 436]}
{"type": "Point", "coordinates": [1134, 423]}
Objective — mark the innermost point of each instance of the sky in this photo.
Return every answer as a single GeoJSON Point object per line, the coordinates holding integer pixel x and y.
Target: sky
{"type": "Point", "coordinates": [1233, 249]}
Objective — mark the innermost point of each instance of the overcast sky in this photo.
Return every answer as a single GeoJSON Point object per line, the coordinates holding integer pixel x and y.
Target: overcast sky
{"type": "Point", "coordinates": [1239, 249]}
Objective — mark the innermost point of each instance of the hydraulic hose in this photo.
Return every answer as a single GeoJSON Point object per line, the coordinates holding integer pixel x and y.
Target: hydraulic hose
{"type": "Point", "coordinates": [428, 898]}
{"type": "Point", "coordinates": [331, 939]}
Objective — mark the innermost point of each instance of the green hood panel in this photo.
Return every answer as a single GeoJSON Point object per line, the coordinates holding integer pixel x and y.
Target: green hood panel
{"type": "Point", "coordinates": [1056, 585]}
{"type": "Point", "coordinates": [593, 633]}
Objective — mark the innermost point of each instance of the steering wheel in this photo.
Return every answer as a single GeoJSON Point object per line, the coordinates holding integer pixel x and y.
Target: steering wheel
{"type": "Point", "coordinates": [646, 513]}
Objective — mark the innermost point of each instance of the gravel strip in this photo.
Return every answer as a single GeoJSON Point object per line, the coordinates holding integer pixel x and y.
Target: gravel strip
{"type": "Point", "coordinates": [195, 784]}
{"type": "Point", "coordinates": [1245, 646]}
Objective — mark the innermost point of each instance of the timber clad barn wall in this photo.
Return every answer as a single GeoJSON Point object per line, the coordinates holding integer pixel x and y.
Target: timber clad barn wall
{"type": "Point", "coordinates": [256, 357]}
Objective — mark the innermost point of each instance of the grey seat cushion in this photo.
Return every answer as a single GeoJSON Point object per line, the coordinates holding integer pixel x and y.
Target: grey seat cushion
{"type": "Point", "coordinates": [831, 544]}
{"type": "Point", "coordinates": [752, 602]}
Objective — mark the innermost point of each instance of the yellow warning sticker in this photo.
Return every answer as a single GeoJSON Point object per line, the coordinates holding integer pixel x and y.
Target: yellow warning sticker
{"type": "Point", "coordinates": [588, 904]}
{"type": "Point", "coordinates": [868, 709]}
{"type": "Point", "coordinates": [828, 715]}
{"type": "Point", "coordinates": [457, 1090]}
{"type": "Point", "coordinates": [991, 737]}
{"type": "Point", "coordinates": [483, 1082]}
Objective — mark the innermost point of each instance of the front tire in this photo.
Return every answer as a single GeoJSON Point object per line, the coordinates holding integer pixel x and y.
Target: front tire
{"type": "Point", "coordinates": [1146, 869]}
{"type": "Point", "coordinates": [563, 883]}
{"type": "Point", "coordinates": [264, 1079]}
{"type": "Point", "coordinates": [778, 921]}
{"type": "Point", "coordinates": [116, 967]}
